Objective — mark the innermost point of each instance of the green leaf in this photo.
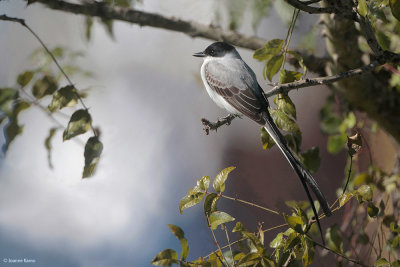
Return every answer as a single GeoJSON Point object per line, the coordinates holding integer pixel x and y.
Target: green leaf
{"type": "Point", "coordinates": [108, 25]}
{"type": "Point", "coordinates": [210, 203]}
{"type": "Point", "coordinates": [13, 129]}
{"type": "Point", "coordinates": [284, 103]}
{"type": "Point", "coordinates": [178, 232]}
{"type": "Point", "coordinates": [93, 149]}
{"type": "Point", "coordinates": [311, 159]}
{"type": "Point", "coordinates": [283, 121]}
{"type": "Point", "coordinates": [79, 123]}
{"type": "Point", "coordinates": [200, 262]}
{"type": "Point", "coordinates": [165, 258]}
{"type": "Point", "coordinates": [250, 259]}
{"type": "Point", "coordinates": [88, 24]}
{"type": "Point", "coordinates": [219, 217]}
{"type": "Point", "coordinates": [204, 183]}
{"type": "Point", "coordinates": [292, 241]}
{"type": "Point", "coordinates": [348, 122]}
{"type": "Point", "coordinates": [45, 86]}
{"type": "Point", "coordinates": [191, 199]}
{"type": "Point", "coordinates": [381, 262]}
{"type": "Point", "coordinates": [271, 48]}
{"type": "Point", "coordinates": [64, 97]}
{"type": "Point", "coordinates": [239, 227]}
{"type": "Point", "coordinates": [333, 239]}
{"type": "Point", "coordinates": [372, 210]}
{"type": "Point", "coordinates": [330, 124]}
{"type": "Point", "coordinates": [365, 193]}
{"type": "Point", "coordinates": [362, 178]}
{"type": "Point", "coordinates": [47, 144]}
{"type": "Point", "coordinates": [395, 228]}
{"type": "Point", "coordinates": [294, 141]}
{"type": "Point", "coordinates": [336, 143]}
{"type": "Point", "coordinates": [266, 139]}
{"type": "Point", "coordinates": [219, 180]}
{"type": "Point", "coordinates": [362, 7]}
{"type": "Point", "coordinates": [295, 222]}
{"type": "Point", "coordinates": [308, 255]}
{"type": "Point", "coordinates": [395, 263]}
{"type": "Point", "coordinates": [58, 52]}
{"type": "Point", "coordinates": [395, 8]}
{"type": "Point", "coordinates": [7, 95]}
{"type": "Point", "coordinates": [273, 65]}
{"type": "Point", "coordinates": [277, 242]}
{"type": "Point", "coordinates": [214, 260]}
{"type": "Point", "coordinates": [299, 60]}
{"type": "Point", "coordinates": [288, 76]}
{"type": "Point", "coordinates": [24, 78]}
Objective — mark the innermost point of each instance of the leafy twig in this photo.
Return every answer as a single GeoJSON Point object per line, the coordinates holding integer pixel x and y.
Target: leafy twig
{"type": "Point", "coordinates": [23, 23]}
{"type": "Point", "coordinates": [251, 204]}
{"type": "Point", "coordinates": [216, 243]}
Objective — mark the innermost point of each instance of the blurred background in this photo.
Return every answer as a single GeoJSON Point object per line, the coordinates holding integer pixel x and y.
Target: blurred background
{"type": "Point", "coordinates": [147, 99]}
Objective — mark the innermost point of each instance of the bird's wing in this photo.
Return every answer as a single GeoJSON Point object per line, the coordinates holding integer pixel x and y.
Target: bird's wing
{"type": "Point", "coordinates": [235, 89]}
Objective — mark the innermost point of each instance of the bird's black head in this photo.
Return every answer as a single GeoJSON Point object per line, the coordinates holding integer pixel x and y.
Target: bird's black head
{"type": "Point", "coordinates": [217, 49]}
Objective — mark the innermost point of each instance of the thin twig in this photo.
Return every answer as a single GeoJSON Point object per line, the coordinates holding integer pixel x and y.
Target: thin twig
{"type": "Point", "coordinates": [216, 243]}
{"type": "Point", "coordinates": [251, 204]}
{"type": "Point", "coordinates": [337, 253]}
{"type": "Point", "coordinates": [289, 35]}
{"type": "Point", "coordinates": [229, 243]}
{"type": "Point", "coordinates": [287, 87]}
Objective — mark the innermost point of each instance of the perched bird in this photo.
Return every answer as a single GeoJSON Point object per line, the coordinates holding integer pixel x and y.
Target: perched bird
{"type": "Point", "coordinates": [232, 84]}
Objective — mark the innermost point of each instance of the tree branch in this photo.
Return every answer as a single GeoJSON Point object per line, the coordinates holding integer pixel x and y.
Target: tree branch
{"type": "Point", "coordinates": [213, 126]}
{"type": "Point", "coordinates": [142, 18]}
{"type": "Point", "coordinates": [287, 87]}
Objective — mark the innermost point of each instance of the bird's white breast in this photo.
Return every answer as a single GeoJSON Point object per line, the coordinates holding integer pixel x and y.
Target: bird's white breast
{"type": "Point", "coordinates": [219, 100]}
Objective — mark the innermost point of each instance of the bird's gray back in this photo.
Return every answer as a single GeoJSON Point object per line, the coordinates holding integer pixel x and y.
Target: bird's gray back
{"type": "Point", "coordinates": [233, 72]}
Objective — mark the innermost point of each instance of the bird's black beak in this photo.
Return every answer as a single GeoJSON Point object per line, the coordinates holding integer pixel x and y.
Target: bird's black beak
{"type": "Point", "coordinates": [199, 54]}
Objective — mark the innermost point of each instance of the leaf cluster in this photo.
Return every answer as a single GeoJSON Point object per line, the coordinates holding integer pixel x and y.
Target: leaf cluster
{"type": "Point", "coordinates": [41, 85]}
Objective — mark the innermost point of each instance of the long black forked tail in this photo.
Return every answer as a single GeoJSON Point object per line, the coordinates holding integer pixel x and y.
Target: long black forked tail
{"type": "Point", "coordinates": [304, 175]}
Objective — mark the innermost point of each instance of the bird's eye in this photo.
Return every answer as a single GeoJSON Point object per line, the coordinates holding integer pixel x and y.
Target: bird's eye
{"type": "Point", "coordinates": [212, 52]}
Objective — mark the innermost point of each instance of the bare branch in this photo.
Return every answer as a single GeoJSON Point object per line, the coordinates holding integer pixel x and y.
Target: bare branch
{"type": "Point", "coordinates": [142, 18]}
{"type": "Point", "coordinates": [210, 126]}
{"type": "Point", "coordinates": [369, 35]}
{"type": "Point", "coordinates": [287, 87]}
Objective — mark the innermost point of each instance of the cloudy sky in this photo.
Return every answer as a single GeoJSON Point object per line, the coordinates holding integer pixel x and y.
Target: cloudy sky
{"type": "Point", "coordinates": [147, 100]}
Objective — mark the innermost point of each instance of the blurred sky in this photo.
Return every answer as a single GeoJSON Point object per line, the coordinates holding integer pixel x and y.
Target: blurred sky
{"type": "Point", "coordinates": [147, 100]}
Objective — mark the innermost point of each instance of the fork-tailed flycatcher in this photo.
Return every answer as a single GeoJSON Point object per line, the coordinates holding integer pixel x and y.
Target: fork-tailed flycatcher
{"type": "Point", "coordinates": [232, 84]}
